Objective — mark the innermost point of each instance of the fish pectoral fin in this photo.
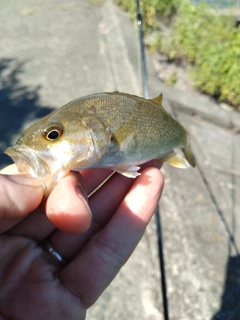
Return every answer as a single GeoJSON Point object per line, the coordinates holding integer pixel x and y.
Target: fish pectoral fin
{"type": "Point", "coordinates": [127, 171]}
{"type": "Point", "coordinates": [176, 160]}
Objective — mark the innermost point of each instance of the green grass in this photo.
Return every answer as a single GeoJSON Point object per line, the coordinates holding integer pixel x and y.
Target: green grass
{"type": "Point", "coordinates": [211, 43]}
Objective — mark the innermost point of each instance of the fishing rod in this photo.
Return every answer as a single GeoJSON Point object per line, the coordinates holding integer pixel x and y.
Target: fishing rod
{"type": "Point", "coordinates": [157, 211]}
{"type": "Point", "coordinates": [143, 58]}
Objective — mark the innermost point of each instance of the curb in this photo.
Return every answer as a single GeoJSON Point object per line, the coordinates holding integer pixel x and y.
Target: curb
{"type": "Point", "coordinates": [202, 106]}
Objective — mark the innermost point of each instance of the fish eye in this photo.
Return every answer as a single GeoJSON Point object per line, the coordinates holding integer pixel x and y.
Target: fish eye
{"type": "Point", "coordinates": [53, 133]}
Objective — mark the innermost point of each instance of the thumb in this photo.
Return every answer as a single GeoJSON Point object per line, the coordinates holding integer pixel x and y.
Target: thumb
{"type": "Point", "coordinates": [19, 195]}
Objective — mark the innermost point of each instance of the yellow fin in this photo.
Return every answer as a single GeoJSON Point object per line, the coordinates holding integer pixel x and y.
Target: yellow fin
{"type": "Point", "coordinates": [158, 100]}
{"type": "Point", "coordinates": [189, 156]}
{"type": "Point", "coordinates": [176, 160]}
{"type": "Point", "coordinates": [127, 171]}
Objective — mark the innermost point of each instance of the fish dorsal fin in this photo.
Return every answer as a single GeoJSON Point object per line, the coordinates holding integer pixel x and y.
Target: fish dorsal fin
{"type": "Point", "coordinates": [158, 100]}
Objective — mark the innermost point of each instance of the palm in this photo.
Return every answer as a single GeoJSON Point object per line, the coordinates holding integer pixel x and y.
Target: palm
{"type": "Point", "coordinates": [34, 285]}
{"type": "Point", "coordinates": [28, 277]}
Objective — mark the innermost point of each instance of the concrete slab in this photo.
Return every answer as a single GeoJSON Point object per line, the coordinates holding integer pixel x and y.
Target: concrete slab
{"type": "Point", "coordinates": [51, 53]}
{"type": "Point", "coordinates": [200, 223]}
{"type": "Point", "coordinates": [202, 105]}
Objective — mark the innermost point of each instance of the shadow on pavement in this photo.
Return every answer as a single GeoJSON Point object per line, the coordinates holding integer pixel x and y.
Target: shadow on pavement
{"type": "Point", "coordinates": [230, 305]}
{"type": "Point", "coordinates": [18, 104]}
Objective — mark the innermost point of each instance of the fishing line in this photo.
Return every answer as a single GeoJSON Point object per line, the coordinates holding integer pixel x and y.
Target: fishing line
{"type": "Point", "coordinates": [101, 184]}
{"type": "Point", "coordinates": [157, 211]}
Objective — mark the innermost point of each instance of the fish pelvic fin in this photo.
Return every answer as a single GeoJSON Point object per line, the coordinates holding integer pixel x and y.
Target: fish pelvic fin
{"type": "Point", "coordinates": [127, 171]}
{"type": "Point", "coordinates": [158, 100]}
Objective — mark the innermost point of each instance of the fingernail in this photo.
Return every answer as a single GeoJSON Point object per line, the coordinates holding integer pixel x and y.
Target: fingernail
{"type": "Point", "coordinates": [81, 191]}
{"type": "Point", "coordinates": [82, 194]}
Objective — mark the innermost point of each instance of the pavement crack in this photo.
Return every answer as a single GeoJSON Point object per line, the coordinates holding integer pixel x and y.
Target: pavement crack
{"type": "Point", "coordinates": [219, 211]}
{"type": "Point", "coordinates": [234, 175]}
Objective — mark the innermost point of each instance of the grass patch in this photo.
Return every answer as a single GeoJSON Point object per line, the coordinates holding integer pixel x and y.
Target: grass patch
{"type": "Point", "coordinates": [210, 42]}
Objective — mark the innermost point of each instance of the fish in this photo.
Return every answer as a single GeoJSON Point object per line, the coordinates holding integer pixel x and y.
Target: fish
{"type": "Point", "coordinates": [112, 130]}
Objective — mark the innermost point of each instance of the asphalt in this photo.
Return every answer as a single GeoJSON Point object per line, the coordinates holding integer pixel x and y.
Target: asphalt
{"type": "Point", "coordinates": [52, 52]}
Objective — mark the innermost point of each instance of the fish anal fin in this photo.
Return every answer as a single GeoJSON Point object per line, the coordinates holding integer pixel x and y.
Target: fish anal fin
{"type": "Point", "coordinates": [158, 100]}
{"type": "Point", "coordinates": [127, 171]}
{"type": "Point", "coordinates": [176, 160]}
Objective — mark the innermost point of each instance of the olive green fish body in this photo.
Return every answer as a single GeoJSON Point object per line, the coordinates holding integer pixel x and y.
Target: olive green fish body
{"type": "Point", "coordinates": [114, 130]}
{"type": "Point", "coordinates": [139, 128]}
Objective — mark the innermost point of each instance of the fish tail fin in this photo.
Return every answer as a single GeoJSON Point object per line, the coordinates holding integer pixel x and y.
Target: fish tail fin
{"type": "Point", "coordinates": [181, 159]}
{"type": "Point", "coordinates": [176, 159]}
{"type": "Point", "coordinates": [189, 155]}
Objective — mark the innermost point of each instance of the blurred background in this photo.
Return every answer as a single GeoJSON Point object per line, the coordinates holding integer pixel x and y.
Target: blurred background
{"type": "Point", "coordinates": [52, 52]}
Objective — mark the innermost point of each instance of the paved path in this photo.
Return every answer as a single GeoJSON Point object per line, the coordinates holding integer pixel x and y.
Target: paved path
{"type": "Point", "coordinates": [55, 51]}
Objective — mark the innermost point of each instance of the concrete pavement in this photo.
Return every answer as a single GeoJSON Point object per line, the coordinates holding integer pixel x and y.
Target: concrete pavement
{"type": "Point", "coordinates": [55, 51]}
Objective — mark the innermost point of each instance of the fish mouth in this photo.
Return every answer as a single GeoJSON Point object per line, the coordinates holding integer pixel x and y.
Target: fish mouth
{"type": "Point", "coordinates": [27, 161]}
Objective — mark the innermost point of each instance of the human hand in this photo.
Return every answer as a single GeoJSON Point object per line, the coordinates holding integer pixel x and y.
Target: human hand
{"type": "Point", "coordinates": [35, 285]}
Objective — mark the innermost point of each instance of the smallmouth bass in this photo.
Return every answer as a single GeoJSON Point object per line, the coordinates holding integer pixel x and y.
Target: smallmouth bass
{"type": "Point", "coordinates": [104, 130]}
